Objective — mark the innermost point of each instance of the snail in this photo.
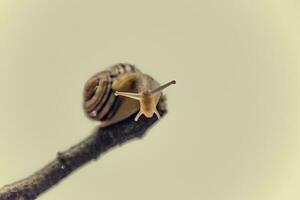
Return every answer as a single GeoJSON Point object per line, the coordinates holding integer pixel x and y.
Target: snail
{"type": "Point", "coordinates": [120, 91]}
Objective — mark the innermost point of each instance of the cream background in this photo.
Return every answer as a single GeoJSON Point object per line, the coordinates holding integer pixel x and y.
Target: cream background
{"type": "Point", "coordinates": [232, 131]}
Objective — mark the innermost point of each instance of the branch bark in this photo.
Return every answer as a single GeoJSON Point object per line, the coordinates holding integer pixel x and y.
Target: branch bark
{"type": "Point", "coordinates": [101, 140]}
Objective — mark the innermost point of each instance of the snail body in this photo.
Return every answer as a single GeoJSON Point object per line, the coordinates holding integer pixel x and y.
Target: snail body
{"type": "Point", "coordinates": [120, 91]}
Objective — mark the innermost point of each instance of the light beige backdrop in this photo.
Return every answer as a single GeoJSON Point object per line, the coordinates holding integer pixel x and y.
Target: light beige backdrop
{"type": "Point", "coordinates": [232, 132]}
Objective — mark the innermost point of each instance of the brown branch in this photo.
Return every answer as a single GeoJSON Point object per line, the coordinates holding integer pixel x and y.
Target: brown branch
{"type": "Point", "coordinates": [67, 162]}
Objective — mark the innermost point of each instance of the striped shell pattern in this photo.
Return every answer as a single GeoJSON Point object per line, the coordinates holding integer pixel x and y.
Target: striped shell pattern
{"type": "Point", "coordinates": [100, 103]}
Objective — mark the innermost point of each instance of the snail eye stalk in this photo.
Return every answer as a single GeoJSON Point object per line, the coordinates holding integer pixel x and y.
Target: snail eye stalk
{"type": "Point", "coordinates": [129, 95]}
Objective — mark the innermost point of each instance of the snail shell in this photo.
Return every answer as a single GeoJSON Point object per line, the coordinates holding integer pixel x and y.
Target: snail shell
{"type": "Point", "coordinates": [100, 102]}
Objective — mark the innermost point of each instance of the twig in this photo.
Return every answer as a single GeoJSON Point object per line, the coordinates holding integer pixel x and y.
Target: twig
{"type": "Point", "coordinates": [78, 155]}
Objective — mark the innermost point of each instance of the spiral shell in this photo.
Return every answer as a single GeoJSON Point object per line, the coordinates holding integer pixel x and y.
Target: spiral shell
{"type": "Point", "coordinates": [100, 103]}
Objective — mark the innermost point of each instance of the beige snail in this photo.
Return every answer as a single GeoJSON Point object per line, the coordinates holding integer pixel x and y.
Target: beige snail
{"type": "Point", "coordinates": [120, 91]}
